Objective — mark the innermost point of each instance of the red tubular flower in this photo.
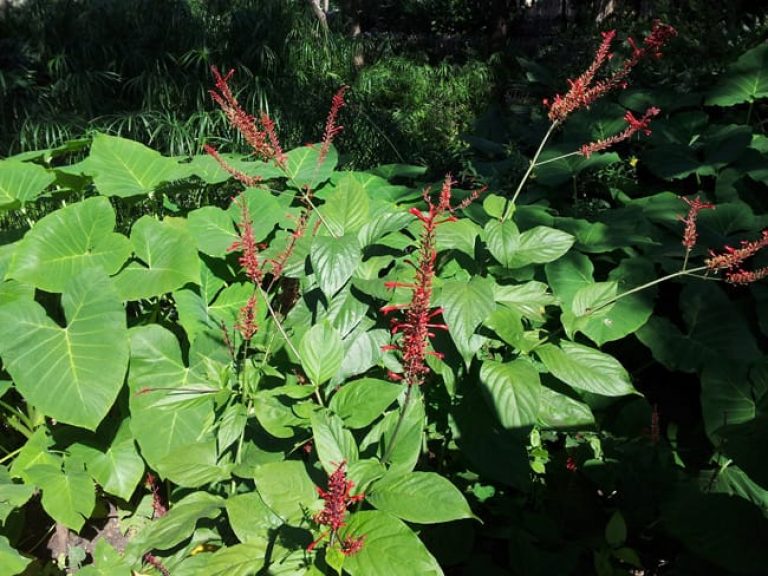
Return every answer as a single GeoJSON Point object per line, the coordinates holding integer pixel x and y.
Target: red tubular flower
{"type": "Point", "coordinates": [246, 243]}
{"type": "Point", "coordinates": [746, 276]}
{"type": "Point", "coordinates": [332, 129]}
{"type": "Point", "coordinates": [635, 125]}
{"type": "Point", "coordinates": [694, 207]}
{"type": "Point", "coordinates": [246, 319]}
{"type": "Point", "coordinates": [337, 501]}
{"type": "Point", "coordinates": [414, 329]}
{"type": "Point", "coordinates": [583, 91]}
{"type": "Point", "coordinates": [733, 257]}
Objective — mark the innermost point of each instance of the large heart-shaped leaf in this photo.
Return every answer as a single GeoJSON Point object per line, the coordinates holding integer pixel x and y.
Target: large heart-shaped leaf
{"type": "Point", "coordinates": [68, 495]}
{"type": "Point", "coordinates": [347, 208]}
{"type": "Point", "coordinates": [744, 81]}
{"type": "Point", "coordinates": [72, 373]}
{"type": "Point", "coordinates": [21, 182]}
{"type": "Point", "coordinates": [125, 168]}
{"type": "Point", "coordinates": [304, 168]}
{"type": "Point", "coordinates": [67, 241]}
{"type": "Point", "coordinates": [168, 257]}
{"type": "Point", "coordinates": [213, 230]}
{"type": "Point", "coordinates": [171, 405]}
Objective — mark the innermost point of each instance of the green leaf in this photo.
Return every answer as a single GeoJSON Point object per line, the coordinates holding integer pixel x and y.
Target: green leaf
{"type": "Point", "coordinates": [72, 374]}
{"type": "Point", "coordinates": [540, 245]}
{"type": "Point", "coordinates": [12, 562]}
{"type": "Point", "coordinates": [743, 443]}
{"type": "Point", "coordinates": [68, 496]}
{"type": "Point", "coordinates": [178, 524]}
{"type": "Point", "coordinates": [527, 299]}
{"type": "Point", "coordinates": [264, 210]}
{"type": "Point", "coordinates": [21, 182]}
{"type": "Point", "coordinates": [303, 169]}
{"type": "Point", "coordinates": [125, 168]}
{"type": "Point", "coordinates": [457, 235]}
{"type": "Point", "coordinates": [346, 210]}
{"type": "Point", "coordinates": [586, 369]}
{"type": "Point", "coordinates": [239, 560]}
{"type": "Point", "coordinates": [465, 305]}
{"type": "Point", "coordinates": [744, 81]}
{"type": "Point", "coordinates": [334, 260]}
{"type": "Point", "coordinates": [117, 468]}
{"type": "Point", "coordinates": [106, 561]}
{"type": "Point", "coordinates": [286, 489]}
{"type": "Point", "coordinates": [671, 161]}
{"type": "Point", "coordinates": [212, 229]}
{"type": "Point", "coordinates": [12, 495]}
{"type": "Point", "coordinates": [728, 397]}
{"type": "Point", "coordinates": [67, 241]}
{"type": "Point", "coordinates": [163, 421]}
{"type": "Point", "coordinates": [390, 171]}
{"type": "Point", "coordinates": [513, 389]}
{"type": "Point", "coordinates": [321, 352]}
{"type": "Point", "coordinates": [558, 411]}
{"type": "Point", "coordinates": [390, 548]}
{"type": "Point", "coordinates": [503, 239]}
{"type": "Point", "coordinates": [168, 256]}
{"type": "Point", "coordinates": [360, 402]}
{"type": "Point", "coordinates": [421, 497]}
{"type": "Point", "coordinates": [407, 447]}
{"type": "Point", "coordinates": [557, 172]}
{"type": "Point", "coordinates": [250, 518]}
{"type": "Point", "coordinates": [616, 530]}
{"type": "Point", "coordinates": [333, 442]}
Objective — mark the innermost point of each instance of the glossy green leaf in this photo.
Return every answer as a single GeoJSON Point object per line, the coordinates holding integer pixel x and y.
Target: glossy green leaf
{"type": "Point", "coordinates": [390, 548]}
{"type": "Point", "coordinates": [459, 235]}
{"type": "Point", "coordinates": [250, 518]}
{"type": "Point", "coordinates": [346, 209]}
{"type": "Point", "coordinates": [264, 210]}
{"type": "Point", "coordinates": [334, 260]}
{"type": "Point", "coordinates": [334, 443]}
{"type": "Point", "coordinates": [728, 397]}
{"type": "Point", "coordinates": [503, 239]}
{"type": "Point", "coordinates": [167, 257]}
{"type": "Point", "coordinates": [212, 229]}
{"type": "Point", "coordinates": [178, 524]}
{"type": "Point", "coordinates": [106, 561]}
{"type": "Point", "coordinates": [286, 489]}
{"type": "Point", "coordinates": [360, 402]}
{"type": "Point", "coordinates": [12, 495]}
{"type": "Point", "coordinates": [124, 168]}
{"type": "Point", "coordinates": [568, 275]}
{"type": "Point", "coordinates": [407, 446]}
{"type": "Point", "coordinates": [513, 389]}
{"type": "Point", "coordinates": [558, 411]}
{"type": "Point", "coordinates": [244, 559]}
{"type": "Point", "coordinates": [745, 81]}
{"type": "Point", "coordinates": [303, 167]}
{"type": "Point", "coordinates": [72, 374]}
{"type": "Point", "coordinates": [743, 443]}
{"type": "Point", "coordinates": [420, 497]}
{"type": "Point", "coordinates": [465, 305]}
{"type": "Point", "coordinates": [67, 241]}
{"type": "Point", "coordinates": [540, 245]}
{"type": "Point", "coordinates": [167, 413]}
{"type": "Point", "coordinates": [321, 353]}
{"type": "Point", "coordinates": [21, 182]}
{"type": "Point", "coordinates": [68, 495]}
{"type": "Point", "coordinates": [117, 468]}
{"type": "Point", "coordinates": [586, 369]}
{"type": "Point", "coordinates": [527, 299]}
{"type": "Point", "coordinates": [13, 562]}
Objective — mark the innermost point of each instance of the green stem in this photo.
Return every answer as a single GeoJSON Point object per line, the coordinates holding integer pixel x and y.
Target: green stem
{"type": "Point", "coordinates": [399, 424]}
{"type": "Point", "coordinates": [278, 324]}
{"type": "Point", "coordinates": [511, 202]}
{"type": "Point", "coordinates": [543, 162]}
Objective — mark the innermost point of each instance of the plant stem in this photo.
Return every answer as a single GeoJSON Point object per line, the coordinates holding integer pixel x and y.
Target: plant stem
{"type": "Point", "coordinates": [278, 324]}
{"type": "Point", "coordinates": [576, 153]}
{"type": "Point", "coordinates": [511, 202]}
{"type": "Point", "coordinates": [399, 424]}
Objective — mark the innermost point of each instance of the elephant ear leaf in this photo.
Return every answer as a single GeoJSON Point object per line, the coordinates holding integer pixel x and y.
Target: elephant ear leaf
{"type": "Point", "coordinates": [745, 81]}
{"type": "Point", "coordinates": [71, 373]}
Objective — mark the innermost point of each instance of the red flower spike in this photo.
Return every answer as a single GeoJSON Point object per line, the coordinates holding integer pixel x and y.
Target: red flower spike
{"type": "Point", "coordinates": [246, 243]}
{"type": "Point", "coordinates": [413, 330]}
{"type": "Point", "coordinates": [332, 129]}
{"type": "Point", "coordinates": [246, 319]}
{"type": "Point", "coordinates": [584, 90]}
{"type": "Point", "coordinates": [635, 125]}
{"type": "Point", "coordinates": [351, 545]}
{"type": "Point", "coordinates": [337, 501]}
{"type": "Point", "coordinates": [732, 257]}
{"type": "Point", "coordinates": [746, 276]}
{"type": "Point", "coordinates": [690, 235]}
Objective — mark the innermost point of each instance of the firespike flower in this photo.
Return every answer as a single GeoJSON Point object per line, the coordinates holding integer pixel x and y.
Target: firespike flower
{"type": "Point", "coordinates": [246, 319]}
{"type": "Point", "coordinates": [583, 91]}
{"type": "Point", "coordinates": [246, 243]}
{"type": "Point", "coordinates": [635, 125]}
{"type": "Point", "coordinates": [731, 258]}
{"type": "Point", "coordinates": [337, 501]}
{"type": "Point", "coordinates": [332, 129]}
{"type": "Point", "coordinates": [694, 207]}
{"type": "Point", "coordinates": [415, 329]}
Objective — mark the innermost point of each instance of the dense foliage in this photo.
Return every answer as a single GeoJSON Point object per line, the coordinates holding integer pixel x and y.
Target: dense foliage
{"type": "Point", "coordinates": [262, 363]}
